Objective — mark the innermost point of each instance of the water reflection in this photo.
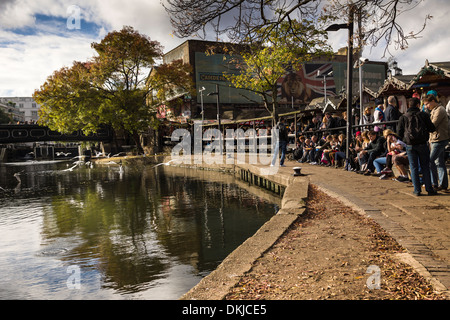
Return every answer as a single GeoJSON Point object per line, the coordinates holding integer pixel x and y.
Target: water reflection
{"type": "Point", "coordinates": [143, 233]}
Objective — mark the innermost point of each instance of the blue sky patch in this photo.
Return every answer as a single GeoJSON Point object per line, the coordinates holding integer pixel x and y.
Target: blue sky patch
{"type": "Point", "coordinates": [61, 26]}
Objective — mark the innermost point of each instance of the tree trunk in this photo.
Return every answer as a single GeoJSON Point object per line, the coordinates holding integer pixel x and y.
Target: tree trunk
{"type": "Point", "coordinates": [275, 104]}
{"type": "Point", "coordinates": [137, 140]}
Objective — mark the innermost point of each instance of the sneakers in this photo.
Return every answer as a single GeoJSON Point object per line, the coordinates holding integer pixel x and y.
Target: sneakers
{"type": "Point", "coordinates": [384, 176]}
{"type": "Point", "coordinates": [402, 179]}
{"type": "Point", "coordinates": [386, 170]}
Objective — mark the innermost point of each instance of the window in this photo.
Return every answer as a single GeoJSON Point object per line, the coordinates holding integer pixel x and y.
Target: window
{"type": "Point", "coordinates": [33, 105]}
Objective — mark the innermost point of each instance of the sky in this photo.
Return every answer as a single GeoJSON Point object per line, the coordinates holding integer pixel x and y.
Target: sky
{"type": "Point", "coordinates": [38, 37]}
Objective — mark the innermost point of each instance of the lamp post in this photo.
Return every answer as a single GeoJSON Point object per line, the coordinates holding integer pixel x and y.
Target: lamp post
{"type": "Point", "coordinates": [218, 111]}
{"type": "Point", "coordinates": [329, 74]}
{"type": "Point", "coordinates": [201, 102]}
{"type": "Point", "coordinates": [359, 64]}
{"type": "Point", "coordinates": [349, 27]}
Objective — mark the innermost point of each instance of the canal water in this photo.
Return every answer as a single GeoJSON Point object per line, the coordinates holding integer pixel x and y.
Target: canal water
{"type": "Point", "coordinates": [99, 233]}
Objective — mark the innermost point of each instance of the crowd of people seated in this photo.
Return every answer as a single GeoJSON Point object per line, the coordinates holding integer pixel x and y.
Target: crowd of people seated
{"type": "Point", "coordinates": [388, 150]}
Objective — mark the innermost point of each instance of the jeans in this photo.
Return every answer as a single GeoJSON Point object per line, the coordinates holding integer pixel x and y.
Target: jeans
{"type": "Point", "coordinates": [439, 175]}
{"type": "Point", "coordinates": [419, 155]}
{"type": "Point", "coordinates": [379, 163]}
{"type": "Point", "coordinates": [339, 155]}
{"type": "Point", "coordinates": [280, 145]}
{"type": "Point", "coordinates": [283, 147]}
{"type": "Point", "coordinates": [370, 161]}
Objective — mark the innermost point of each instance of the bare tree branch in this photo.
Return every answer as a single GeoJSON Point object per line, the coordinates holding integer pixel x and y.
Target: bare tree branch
{"type": "Point", "coordinates": [378, 20]}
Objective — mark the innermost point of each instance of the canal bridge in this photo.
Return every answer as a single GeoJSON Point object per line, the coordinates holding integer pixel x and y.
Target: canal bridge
{"type": "Point", "coordinates": [35, 133]}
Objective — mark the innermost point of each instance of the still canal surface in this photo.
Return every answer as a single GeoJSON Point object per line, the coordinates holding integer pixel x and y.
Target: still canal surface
{"type": "Point", "coordinates": [98, 233]}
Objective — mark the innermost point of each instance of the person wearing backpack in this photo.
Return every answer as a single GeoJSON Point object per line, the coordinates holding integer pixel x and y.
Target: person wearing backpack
{"type": "Point", "coordinates": [438, 142]}
{"type": "Point", "coordinates": [414, 128]}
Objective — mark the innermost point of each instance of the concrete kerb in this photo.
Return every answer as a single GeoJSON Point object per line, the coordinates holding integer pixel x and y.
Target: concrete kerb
{"type": "Point", "coordinates": [218, 283]}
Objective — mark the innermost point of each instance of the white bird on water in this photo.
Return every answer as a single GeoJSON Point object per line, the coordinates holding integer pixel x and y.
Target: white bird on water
{"type": "Point", "coordinates": [58, 154]}
{"type": "Point", "coordinates": [101, 154]}
{"type": "Point", "coordinates": [164, 163]}
{"type": "Point", "coordinates": [17, 176]}
{"type": "Point", "coordinates": [76, 164]}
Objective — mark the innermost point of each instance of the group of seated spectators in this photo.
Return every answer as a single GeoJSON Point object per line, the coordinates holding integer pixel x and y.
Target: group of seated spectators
{"type": "Point", "coordinates": [378, 148]}
{"type": "Point", "coordinates": [370, 153]}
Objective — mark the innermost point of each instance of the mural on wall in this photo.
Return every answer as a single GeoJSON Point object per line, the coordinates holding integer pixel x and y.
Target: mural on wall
{"type": "Point", "coordinates": [305, 85]}
{"type": "Point", "coordinates": [298, 87]}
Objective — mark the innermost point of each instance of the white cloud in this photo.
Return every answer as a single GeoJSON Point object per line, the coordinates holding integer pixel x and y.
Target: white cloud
{"type": "Point", "coordinates": [31, 59]}
{"type": "Point", "coordinates": [32, 47]}
{"type": "Point", "coordinates": [28, 58]}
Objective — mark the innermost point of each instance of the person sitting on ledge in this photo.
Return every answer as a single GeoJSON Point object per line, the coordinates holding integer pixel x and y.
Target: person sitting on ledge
{"type": "Point", "coordinates": [376, 148]}
{"type": "Point", "coordinates": [394, 147]}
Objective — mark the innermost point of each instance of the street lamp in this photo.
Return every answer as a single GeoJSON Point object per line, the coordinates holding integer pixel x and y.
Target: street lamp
{"type": "Point", "coordinates": [201, 102]}
{"type": "Point", "coordinates": [329, 74]}
{"type": "Point", "coordinates": [349, 27]}
{"type": "Point", "coordinates": [359, 64]}
{"type": "Point", "coordinates": [218, 111]}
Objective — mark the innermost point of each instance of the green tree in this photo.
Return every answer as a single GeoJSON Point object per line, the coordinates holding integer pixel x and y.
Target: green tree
{"type": "Point", "coordinates": [288, 46]}
{"type": "Point", "coordinates": [69, 101]}
{"type": "Point", "coordinates": [120, 73]}
{"type": "Point", "coordinates": [4, 118]}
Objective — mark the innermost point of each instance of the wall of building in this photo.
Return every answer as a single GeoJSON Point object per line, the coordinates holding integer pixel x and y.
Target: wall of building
{"type": "Point", "coordinates": [24, 104]}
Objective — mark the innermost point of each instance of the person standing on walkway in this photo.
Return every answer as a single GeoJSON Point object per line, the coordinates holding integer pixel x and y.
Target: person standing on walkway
{"type": "Point", "coordinates": [438, 142]}
{"type": "Point", "coordinates": [392, 113]}
{"type": "Point", "coordinates": [281, 144]}
{"type": "Point", "coordinates": [414, 128]}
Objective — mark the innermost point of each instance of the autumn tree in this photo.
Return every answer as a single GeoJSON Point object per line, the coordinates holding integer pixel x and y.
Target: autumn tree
{"type": "Point", "coordinates": [111, 88]}
{"type": "Point", "coordinates": [120, 72]}
{"type": "Point", "coordinates": [170, 79]}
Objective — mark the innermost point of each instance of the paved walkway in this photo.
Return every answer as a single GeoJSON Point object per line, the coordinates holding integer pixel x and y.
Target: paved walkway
{"type": "Point", "coordinates": [420, 224]}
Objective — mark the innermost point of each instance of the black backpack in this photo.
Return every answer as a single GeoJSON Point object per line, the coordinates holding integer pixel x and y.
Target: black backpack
{"type": "Point", "coordinates": [283, 132]}
{"type": "Point", "coordinates": [416, 131]}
